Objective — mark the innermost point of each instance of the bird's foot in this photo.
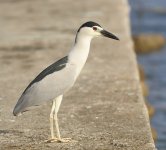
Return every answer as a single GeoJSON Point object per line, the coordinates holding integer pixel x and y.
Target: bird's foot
{"type": "Point", "coordinates": [64, 140]}
{"type": "Point", "coordinates": [61, 140]}
{"type": "Point", "coordinates": [51, 140]}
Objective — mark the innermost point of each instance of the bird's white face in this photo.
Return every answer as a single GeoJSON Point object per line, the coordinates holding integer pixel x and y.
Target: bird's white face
{"type": "Point", "coordinates": [90, 30]}
{"type": "Point", "coordinates": [94, 31]}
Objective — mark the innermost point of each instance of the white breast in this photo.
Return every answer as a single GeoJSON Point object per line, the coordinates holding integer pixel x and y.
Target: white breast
{"type": "Point", "coordinates": [79, 54]}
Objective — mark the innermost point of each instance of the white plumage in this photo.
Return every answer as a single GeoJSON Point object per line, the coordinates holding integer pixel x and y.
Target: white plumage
{"type": "Point", "coordinates": [55, 80]}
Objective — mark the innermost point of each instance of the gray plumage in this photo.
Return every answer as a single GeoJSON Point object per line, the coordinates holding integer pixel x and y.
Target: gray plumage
{"type": "Point", "coordinates": [59, 76]}
{"type": "Point", "coordinates": [55, 80]}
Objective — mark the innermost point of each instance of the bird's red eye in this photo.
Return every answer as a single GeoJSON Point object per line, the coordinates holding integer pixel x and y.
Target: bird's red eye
{"type": "Point", "coordinates": [94, 28]}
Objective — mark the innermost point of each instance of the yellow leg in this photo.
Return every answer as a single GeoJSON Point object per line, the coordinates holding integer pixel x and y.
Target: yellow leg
{"type": "Point", "coordinates": [53, 139]}
{"type": "Point", "coordinates": [57, 105]}
{"type": "Point", "coordinates": [51, 120]}
{"type": "Point", "coordinates": [53, 117]}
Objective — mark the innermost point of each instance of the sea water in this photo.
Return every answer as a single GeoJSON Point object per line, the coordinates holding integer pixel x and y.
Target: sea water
{"type": "Point", "coordinates": [149, 16]}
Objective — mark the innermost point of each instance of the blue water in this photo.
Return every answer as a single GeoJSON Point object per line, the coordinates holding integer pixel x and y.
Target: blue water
{"type": "Point", "coordinates": [149, 16]}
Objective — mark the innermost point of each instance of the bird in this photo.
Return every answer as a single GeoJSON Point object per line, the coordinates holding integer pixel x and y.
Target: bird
{"type": "Point", "coordinates": [54, 81]}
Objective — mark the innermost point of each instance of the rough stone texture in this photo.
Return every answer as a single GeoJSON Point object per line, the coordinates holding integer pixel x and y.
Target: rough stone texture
{"type": "Point", "coordinates": [105, 108]}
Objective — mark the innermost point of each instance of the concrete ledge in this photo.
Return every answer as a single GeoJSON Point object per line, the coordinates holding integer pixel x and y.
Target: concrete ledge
{"type": "Point", "coordinates": [105, 108]}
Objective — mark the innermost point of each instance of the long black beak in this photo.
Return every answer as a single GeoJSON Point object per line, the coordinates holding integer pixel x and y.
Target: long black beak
{"type": "Point", "coordinates": [108, 34]}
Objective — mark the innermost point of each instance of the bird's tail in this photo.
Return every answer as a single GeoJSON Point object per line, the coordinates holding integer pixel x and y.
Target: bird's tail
{"type": "Point", "coordinates": [20, 106]}
{"type": "Point", "coordinates": [16, 110]}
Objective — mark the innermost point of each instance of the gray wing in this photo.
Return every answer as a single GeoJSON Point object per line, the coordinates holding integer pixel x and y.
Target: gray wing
{"type": "Point", "coordinates": [58, 65]}
{"type": "Point", "coordinates": [50, 83]}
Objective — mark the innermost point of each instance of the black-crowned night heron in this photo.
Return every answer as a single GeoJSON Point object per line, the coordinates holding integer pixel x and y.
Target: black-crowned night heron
{"type": "Point", "coordinates": [55, 80]}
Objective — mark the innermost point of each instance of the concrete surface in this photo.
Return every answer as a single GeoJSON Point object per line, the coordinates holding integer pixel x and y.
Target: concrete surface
{"type": "Point", "coordinates": [105, 108]}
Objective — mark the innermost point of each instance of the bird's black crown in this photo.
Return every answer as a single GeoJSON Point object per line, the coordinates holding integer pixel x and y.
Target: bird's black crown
{"type": "Point", "coordinates": [89, 24]}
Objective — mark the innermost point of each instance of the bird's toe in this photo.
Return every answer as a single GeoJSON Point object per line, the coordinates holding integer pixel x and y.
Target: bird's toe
{"type": "Point", "coordinates": [61, 140]}
{"type": "Point", "coordinates": [64, 140]}
{"type": "Point", "coordinates": [51, 140]}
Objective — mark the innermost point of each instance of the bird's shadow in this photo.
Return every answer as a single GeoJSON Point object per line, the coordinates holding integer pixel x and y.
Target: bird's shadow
{"type": "Point", "coordinates": [14, 132]}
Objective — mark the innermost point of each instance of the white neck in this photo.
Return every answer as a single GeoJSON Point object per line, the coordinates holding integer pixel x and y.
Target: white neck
{"type": "Point", "coordinates": [79, 53]}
